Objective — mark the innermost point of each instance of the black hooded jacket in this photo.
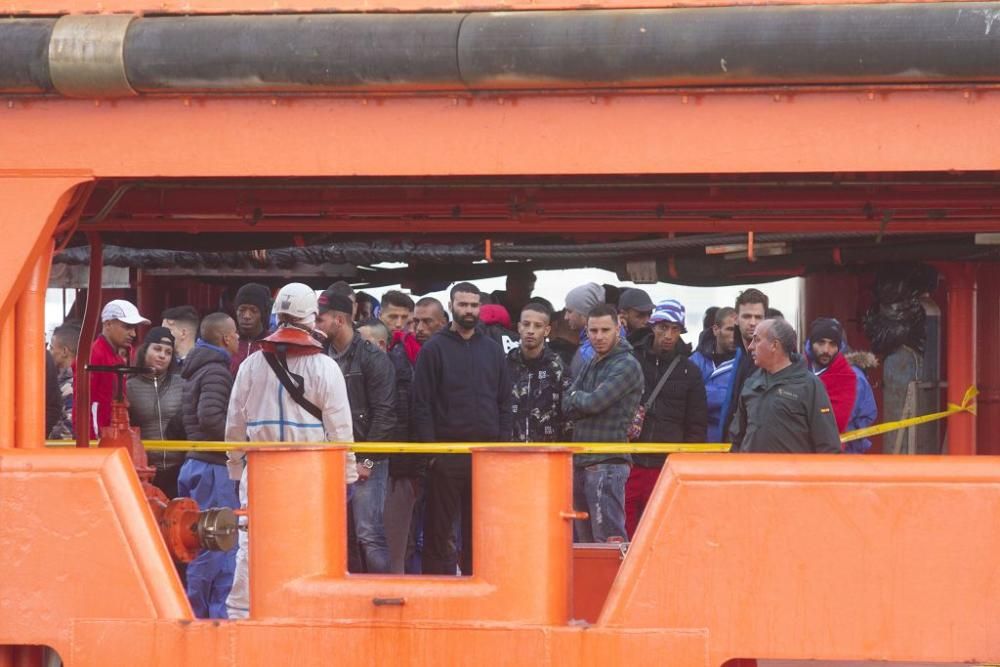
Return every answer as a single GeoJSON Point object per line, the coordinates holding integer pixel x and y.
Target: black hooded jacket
{"type": "Point", "coordinates": [461, 390]}
{"type": "Point", "coordinates": [680, 411]}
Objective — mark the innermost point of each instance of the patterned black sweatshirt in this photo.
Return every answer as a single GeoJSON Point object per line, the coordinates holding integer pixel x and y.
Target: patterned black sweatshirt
{"type": "Point", "coordinates": [538, 386]}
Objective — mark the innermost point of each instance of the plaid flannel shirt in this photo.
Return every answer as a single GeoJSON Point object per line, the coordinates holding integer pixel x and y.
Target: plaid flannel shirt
{"type": "Point", "coordinates": [603, 400]}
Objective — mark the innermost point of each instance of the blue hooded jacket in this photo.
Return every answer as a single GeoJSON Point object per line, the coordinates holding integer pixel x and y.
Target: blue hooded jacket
{"type": "Point", "coordinates": [865, 410]}
{"type": "Point", "coordinates": [717, 383]}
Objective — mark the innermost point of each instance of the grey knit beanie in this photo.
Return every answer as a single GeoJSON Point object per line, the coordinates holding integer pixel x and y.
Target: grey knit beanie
{"type": "Point", "coordinates": [581, 299]}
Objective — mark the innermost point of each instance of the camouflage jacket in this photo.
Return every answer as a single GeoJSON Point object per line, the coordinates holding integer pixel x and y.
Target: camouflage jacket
{"type": "Point", "coordinates": [538, 387]}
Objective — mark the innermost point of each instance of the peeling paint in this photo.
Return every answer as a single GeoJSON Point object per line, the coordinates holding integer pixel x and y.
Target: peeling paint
{"type": "Point", "coordinates": [990, 16]}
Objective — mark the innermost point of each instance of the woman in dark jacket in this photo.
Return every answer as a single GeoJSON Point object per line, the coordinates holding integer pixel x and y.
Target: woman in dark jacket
{"type": "Point", "coordinates": [155, 405]}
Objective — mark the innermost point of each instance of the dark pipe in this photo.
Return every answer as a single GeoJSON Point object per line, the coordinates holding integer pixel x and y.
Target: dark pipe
{"type": "Point", "coordinates": [713, 46]}
{"type": "Point", "coordinates": [24, 55]}
{"type": "Point", "coordinates": [282, 53]}
{"type": "Point", "coordinates": [91, 315]}
{"type": "Point", "coordinates": [880, 43]}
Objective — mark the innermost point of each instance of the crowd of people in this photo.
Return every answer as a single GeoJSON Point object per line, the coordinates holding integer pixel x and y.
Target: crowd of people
{"type": "Point", "coordinates": [611, 366]}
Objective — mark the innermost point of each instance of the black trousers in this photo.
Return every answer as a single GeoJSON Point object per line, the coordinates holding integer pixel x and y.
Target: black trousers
{"type": "Point", "coordinates": [449, 503]}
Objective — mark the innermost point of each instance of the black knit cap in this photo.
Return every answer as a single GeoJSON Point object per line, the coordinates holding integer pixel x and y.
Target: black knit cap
{"type": "Point", "coordinates": [331, 300]}
{"type": "Point", "coordinates": [826, 327]}
{"type": "Point", "coordinates": [160, 335]}
{"type": "Point", "coordinates": [254, 294]}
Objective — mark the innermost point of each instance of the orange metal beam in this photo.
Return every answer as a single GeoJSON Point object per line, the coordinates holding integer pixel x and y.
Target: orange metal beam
{"type": "Point", "coordinates": [655, 132]}
{"type": "Point", "coordinates": [30, 368]}
{"type": "Point", "coordinates": [988, 364]}
{"type": "Point", "coordinates": [32, 206]}
{"type": "Point", "coordinates": [8, 366]}
{"type": "Point", "coordinates": [960, 318]}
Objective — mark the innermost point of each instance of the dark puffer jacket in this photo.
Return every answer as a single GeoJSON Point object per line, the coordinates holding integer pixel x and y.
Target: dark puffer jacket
{"type": "Point", "coordinates": [205, 399]}
{"type": "Point", "coordinates": [538, 388]}
{"type": "Point", "coordinates": [679, 413]}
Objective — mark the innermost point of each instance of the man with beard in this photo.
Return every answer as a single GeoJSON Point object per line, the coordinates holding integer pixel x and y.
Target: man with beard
{"type": "Point", "coordinates": [751, 309]}
{"type": "Point", "coordinates": [715, 357]}
{"type": "Point", "coordinates": [826, 337]}
{"type": "Point", "coordinates": [634, 309]}
{"type": "Point", "coordinates": [371, 392]}
{"type": "Point", "coordinates": [253, 308]}
{"type": "Point", "coordinates": [461, 393]}
{"type": "Point", "coordinates": [674, 400]}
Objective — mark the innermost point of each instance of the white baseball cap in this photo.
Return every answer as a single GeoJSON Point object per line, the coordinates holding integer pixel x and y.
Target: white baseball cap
{"type": "Point", "coordinates": [123, 311]}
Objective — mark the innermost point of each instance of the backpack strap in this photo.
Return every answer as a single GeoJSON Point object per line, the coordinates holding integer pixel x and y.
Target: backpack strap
{"type": "Point", "coordinates": [663, 380]}
{"type": "Point", "coordinates": [294, 384]}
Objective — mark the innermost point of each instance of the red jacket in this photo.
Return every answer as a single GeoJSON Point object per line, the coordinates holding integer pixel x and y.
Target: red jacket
{"type": "Point", "coordinates": [102, 385]}
{"type": "Point", "coordinates": [247, 346]}
{"type": "Point", "coordinates": [841, 385]}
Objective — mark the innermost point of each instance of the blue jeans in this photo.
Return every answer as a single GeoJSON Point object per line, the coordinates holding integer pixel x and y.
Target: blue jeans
{"type": "Point", "coordinates": [367, 505]}
{"type": "Point", "coordinates": [210, 574]}
{"type": "Point", "coordinates": [599, 490]}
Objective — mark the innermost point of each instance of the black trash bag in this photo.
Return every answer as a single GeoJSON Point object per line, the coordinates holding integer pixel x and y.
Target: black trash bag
{"type": "Point", "coordinates": [898, 318]}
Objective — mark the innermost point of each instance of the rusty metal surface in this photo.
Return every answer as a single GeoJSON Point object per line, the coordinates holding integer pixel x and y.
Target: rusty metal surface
{"type": "Point", "coordinates": [86, 56]}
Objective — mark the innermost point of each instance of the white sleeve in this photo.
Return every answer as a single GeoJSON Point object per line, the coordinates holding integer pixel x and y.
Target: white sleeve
{"type": "Point", "coordinates": [337, 420]}
{"type": "Point", "coordinates": [336, 408]}
{"type": "Point", "coordinates": [236, 418]}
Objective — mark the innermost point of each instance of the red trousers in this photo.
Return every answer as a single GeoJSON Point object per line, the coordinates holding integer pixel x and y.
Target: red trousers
{"type": "Point", "coordinates": [638, 488]}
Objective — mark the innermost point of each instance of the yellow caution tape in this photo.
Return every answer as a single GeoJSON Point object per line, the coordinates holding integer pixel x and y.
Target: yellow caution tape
{"type": "Point", "coordinates": [968, 405]}
{"type": "Point", "coordinates": [428, 447]}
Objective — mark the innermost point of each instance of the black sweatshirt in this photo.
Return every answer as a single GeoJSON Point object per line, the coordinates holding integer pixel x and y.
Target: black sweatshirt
{"type": "Point", "coordinates": [461, 390]}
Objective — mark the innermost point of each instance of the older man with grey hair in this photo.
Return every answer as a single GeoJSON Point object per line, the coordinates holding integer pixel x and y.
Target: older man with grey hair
{"type": "Point", "coordinates": [783, 407]}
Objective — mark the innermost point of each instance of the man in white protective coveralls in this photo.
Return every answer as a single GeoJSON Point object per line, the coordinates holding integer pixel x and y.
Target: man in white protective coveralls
{"type": "Point", "coordinates": [288, 391]}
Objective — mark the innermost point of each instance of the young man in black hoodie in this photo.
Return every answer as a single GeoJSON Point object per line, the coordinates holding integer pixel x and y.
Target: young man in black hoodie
{"type": "Point", "coordinates": [461, 393]}
{"type": "Point", "coordinates": [677, 413]}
